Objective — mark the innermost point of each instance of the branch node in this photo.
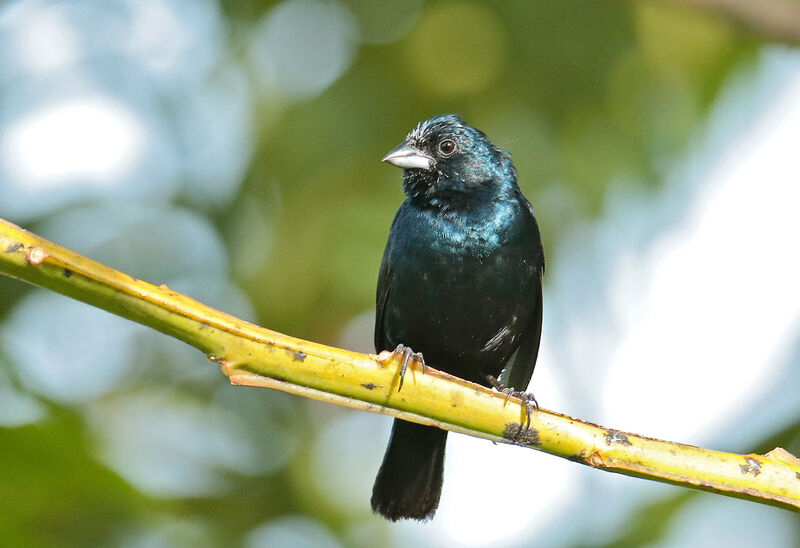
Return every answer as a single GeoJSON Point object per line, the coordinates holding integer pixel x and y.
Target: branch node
{"type": "Point", "coordinates": [36, 255]}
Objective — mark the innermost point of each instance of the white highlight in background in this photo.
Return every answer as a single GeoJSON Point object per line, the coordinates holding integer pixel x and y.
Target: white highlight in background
{"type": "Point", "coordinates": [719, 303]}
{"type": "Point", "coordinates": [89, 137]}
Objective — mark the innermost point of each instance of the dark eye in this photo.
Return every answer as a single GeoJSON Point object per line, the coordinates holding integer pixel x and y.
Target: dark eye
{"type": "Point", "coordinates": [447, 147]}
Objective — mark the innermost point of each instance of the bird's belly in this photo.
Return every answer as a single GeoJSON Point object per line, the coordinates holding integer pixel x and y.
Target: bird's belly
{"type": "Point", "coordinates": [465, 314]}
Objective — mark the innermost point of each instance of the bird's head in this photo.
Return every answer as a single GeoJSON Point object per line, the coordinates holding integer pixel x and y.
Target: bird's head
{"type": "Point", "coordinates": [445, 158]}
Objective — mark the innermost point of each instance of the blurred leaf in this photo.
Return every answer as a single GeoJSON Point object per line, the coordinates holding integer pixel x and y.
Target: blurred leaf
{"type": "Point", "coordinates": [53, 492]}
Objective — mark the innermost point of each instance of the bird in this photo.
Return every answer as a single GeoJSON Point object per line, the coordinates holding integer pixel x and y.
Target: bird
{"type": "Point", "coordinates": [459, 287]}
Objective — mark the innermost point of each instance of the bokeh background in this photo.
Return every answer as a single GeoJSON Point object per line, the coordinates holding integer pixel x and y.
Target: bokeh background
{"type": "Point", "coordinates": [231, 149]}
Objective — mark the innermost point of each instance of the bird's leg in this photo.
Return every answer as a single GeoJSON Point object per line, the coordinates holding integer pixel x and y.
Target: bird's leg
{"type": "Point", "coordinates": [528, 400]}
{"type": "Point", "coordinates": [408, 355]}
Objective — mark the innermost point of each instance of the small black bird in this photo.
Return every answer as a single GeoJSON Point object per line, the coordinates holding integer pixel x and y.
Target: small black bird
{"type": "Point", "coordinates": [460, 283]}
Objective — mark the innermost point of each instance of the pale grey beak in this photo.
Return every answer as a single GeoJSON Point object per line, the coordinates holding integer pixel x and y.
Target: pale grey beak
{"type": "Point", "coordinates": [408, 156]}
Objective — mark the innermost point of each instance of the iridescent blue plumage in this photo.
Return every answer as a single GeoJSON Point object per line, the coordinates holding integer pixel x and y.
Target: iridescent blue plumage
{"type": "Point", "coordinates": [460, 281]}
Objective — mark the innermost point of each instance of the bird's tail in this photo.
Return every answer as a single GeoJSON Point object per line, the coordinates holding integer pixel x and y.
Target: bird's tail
{"type": "Point", "coordinates": [409, 482]}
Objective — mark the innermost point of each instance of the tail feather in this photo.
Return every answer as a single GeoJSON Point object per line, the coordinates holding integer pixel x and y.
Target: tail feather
{"type": "Point", "coordinates": [409, 482]}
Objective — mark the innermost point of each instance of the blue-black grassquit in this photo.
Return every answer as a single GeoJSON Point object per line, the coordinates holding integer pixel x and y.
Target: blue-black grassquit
{"type": "Point", "coordinates": [460, 282]}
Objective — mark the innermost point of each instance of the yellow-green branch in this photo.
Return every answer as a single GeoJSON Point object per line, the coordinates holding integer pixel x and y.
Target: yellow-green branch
{"type": "Point", "coordinates": [254, 356]}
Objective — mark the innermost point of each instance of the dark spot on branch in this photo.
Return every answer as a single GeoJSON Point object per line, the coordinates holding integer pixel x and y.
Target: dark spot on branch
{"type": "Point", "coordinates": [519, 435]}
{"type": "Point", "coordinates": [752, 466]}
{"type": "Point", "coordinates": [299, 356]}
{"type": "Point", "coordinates": [615, 436]}
{"type": "Point", "coordinates": [67, 272]}
{"type": "Point", "coordinates": [13, 247]}
{"type": "Point", "coordinates": [579, 458]}
{"type": "Point", "coordinates": [368, 385]}
{"type": "Point", "coordinates": [797, 475]}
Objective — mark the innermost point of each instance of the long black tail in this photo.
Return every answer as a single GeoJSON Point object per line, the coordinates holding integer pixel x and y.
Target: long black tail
{"type": "Point", "coordinates": [409, 482]}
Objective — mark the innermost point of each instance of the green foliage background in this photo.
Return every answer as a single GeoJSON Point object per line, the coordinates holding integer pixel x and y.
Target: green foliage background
{"type": "Point", "coordinates": [586, 96]}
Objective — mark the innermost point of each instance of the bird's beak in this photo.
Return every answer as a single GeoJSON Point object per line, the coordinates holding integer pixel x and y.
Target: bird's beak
{"type": "Point", "coordinates": [407, 156]}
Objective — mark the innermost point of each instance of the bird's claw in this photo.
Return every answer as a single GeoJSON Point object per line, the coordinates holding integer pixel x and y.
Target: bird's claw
{"type": "Point", "coordinates": [528, 400]}
{"type": "Point", "coordinates": [408, 355]}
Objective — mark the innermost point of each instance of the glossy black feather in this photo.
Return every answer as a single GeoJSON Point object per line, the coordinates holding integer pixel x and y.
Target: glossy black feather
{"type": "Point", "coordinates": [460, 281]}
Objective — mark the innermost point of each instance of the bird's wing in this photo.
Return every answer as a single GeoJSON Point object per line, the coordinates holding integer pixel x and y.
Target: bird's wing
{"type": "Point", "coordinates": [518, 374]}
{"type": "Point", "coordinates": [538, 238]}
{"type": "Point", "coordinates": [384, 282]}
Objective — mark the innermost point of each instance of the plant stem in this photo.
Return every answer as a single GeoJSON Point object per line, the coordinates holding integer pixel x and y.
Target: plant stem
{"type": "Point", "coordinates": [254, 356]}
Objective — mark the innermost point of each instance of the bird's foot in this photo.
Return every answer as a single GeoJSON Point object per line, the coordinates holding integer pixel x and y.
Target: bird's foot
{"type": "Point", "coordinates": [408, 355]}
{"type": "Point", "coordinates": [528, 400]}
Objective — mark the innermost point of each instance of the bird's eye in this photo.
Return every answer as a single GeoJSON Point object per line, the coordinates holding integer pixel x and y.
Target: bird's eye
{"type": "Point", "coordinates": [447, 147]}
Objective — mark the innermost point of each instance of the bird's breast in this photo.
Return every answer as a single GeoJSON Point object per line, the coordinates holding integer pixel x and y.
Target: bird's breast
{"type": "Point", "coordinates": [453, 234]}
{"type": "Point", "coordinates": [458, 281]}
